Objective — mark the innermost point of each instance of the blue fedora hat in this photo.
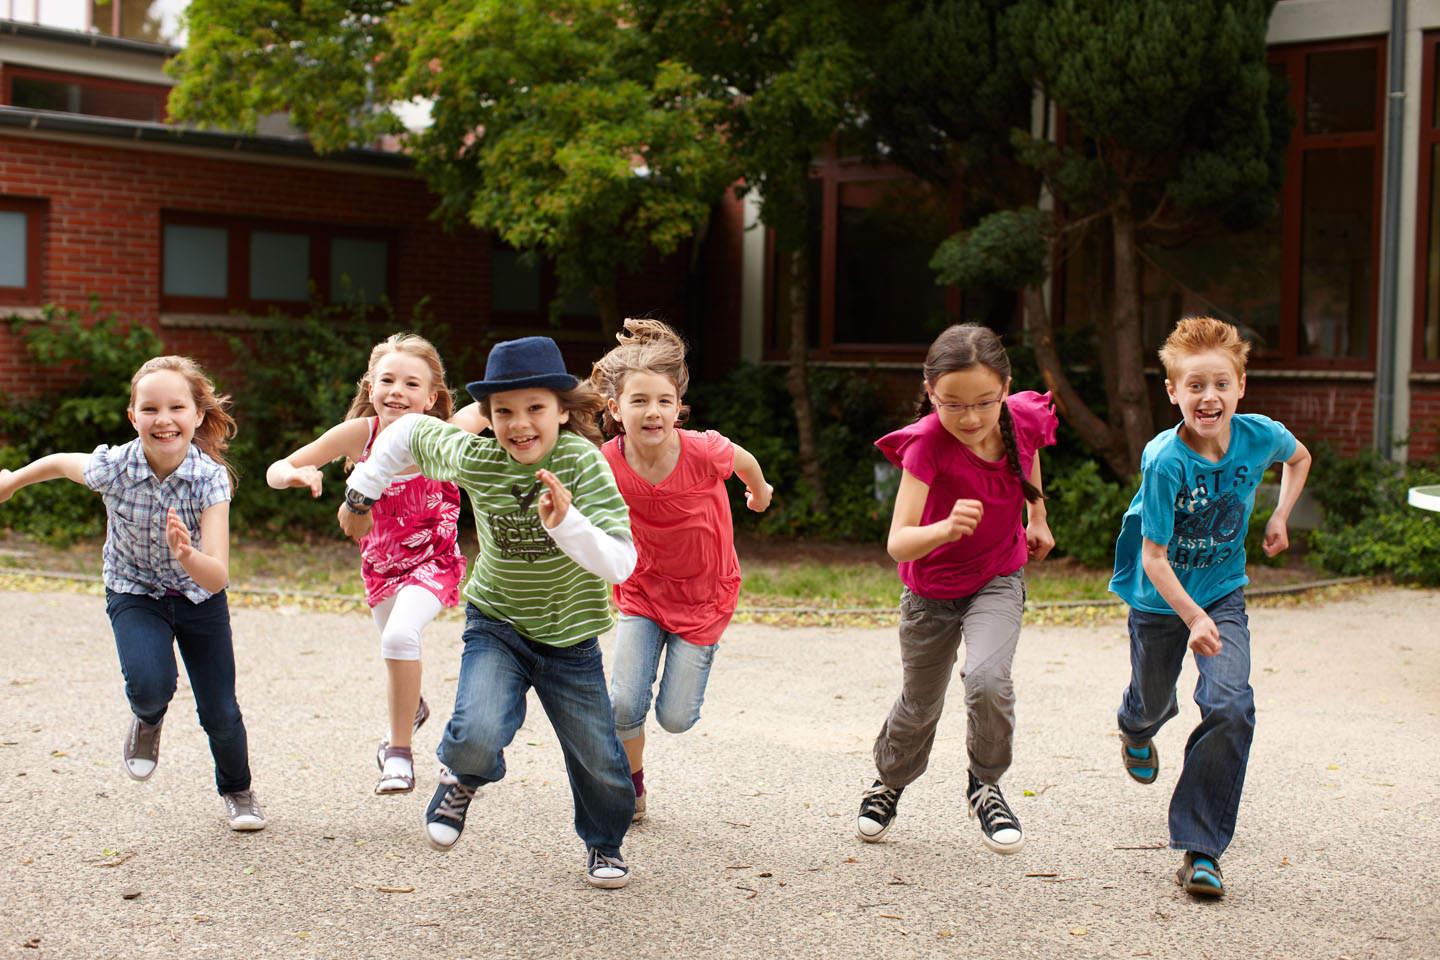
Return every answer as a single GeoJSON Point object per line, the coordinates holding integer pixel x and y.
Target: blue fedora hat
{"type": "Point", "coordinates": [527, 363]}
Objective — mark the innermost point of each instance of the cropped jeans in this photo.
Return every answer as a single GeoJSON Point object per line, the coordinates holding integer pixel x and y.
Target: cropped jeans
{"type": "Point", "coordinates": [639, 643]}
{"type": "Point", "coordinates": [1207, 792]}
{"type": "Point", "coordinates": [498, 667]}
{"type": "Point", "coordinates": [146, 633]}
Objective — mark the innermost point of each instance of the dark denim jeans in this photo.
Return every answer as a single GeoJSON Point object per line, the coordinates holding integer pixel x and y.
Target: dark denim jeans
{"type": "Point", "coordinates": [1207, 793]}
{"type": "Point", "coordinates": [146, 631]}
{"type": "Point", "coordinates": [498, 667]}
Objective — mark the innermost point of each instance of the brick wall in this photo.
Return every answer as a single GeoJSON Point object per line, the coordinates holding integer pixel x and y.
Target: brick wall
{"type": "Point", "coordinates": [1424, 421]}
{"type": "Point", "coordinates": [1340, 411]}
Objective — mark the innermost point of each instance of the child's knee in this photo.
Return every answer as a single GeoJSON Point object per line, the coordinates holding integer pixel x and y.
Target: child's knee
{"type": "Point", "coordinates": [400, 643]}
{"type": "Point", "coordinates": [676, 720]}
{"type": "Point", "coordinates": [150, 696]}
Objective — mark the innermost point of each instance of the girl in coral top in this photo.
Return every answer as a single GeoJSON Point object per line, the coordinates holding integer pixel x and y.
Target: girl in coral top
{"type": "Point", "coordinates": [683, 591]}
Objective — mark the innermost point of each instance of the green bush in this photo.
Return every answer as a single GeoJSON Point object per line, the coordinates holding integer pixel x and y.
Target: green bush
{"type": "Point", "coordinates": [103, 354]}
{"type": "Point", "coordinates": [1084, 511]}
{"type": "Point", "coordinates": [1367, 526]}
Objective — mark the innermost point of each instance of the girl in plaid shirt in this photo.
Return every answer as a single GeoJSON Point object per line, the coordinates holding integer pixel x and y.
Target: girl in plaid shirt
{"type": "Point", "coordinates": [167, 561]}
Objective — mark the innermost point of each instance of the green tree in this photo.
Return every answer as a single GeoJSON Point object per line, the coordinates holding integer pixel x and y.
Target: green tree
{"type": "Point", "coordinates": [555, 126]}
{"type": "Point", "coordinates": [1180, 130]}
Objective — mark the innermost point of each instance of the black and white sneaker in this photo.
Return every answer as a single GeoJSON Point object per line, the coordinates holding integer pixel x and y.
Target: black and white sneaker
{"type": "Point", "coordinates": [608, 873]}
{"type": "Point", "coordinates": [1000, 827]}
{"type": "Point", "coordinates": [877, 811]}
{"type": "Point", "coordinates": [445, 814]}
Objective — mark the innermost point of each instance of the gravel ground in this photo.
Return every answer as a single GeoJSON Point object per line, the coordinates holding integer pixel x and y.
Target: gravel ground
{"type": "Point", "coordinates": [749, 846]}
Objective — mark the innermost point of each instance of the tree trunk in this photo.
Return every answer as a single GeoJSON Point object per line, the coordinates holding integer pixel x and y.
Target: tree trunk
{"type": "Point", "coordinates": [1096, 433]}
{"type": "Point", "coordinates": [1131, 415]}
{"type": "Point", "coordinates": [797, 308]}
{"type": "Point", "coordinates": [607, 301]}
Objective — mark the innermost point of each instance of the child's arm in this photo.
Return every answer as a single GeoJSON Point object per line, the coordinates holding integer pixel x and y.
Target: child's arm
{"type": "Point", "coordinates": [71, 466]}
{"type": "Point", "coordinates": [210, 567]}
{"type": "Point", "coordinates": [469, 418]}
{"type": "Point", "coordinates": [1204, 635]}
{"type": "Point", "coordinates": [1039, 541]}
{"type": "Point", "coordinates": [908, 539]}
{"type": "Point", "coordinates": [302, 468]}
{"type": "Point", "coordinates": [389, 456]}
{"type": "Point", "coordinates": [1292, 481]}
{"type": "Point", "coordinates": [757, 491]}
{"type": "Point", "coordinates": [611, 557]}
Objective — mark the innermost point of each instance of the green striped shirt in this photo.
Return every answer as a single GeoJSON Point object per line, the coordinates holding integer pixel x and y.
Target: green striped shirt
{"type": "Point", "coordinates": [520, 575]}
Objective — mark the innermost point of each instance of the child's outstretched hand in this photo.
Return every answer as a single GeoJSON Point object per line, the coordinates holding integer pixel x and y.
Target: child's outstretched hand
{"type": "Point", "coordinates": [177, 535]}
{"type": "Point", "coordinates": [1277, 537]}
{"type": "Point", "coordinates": [1204, 636]}
{"type": "Point", "coordinates": [1039, 541]}
{"type": "Point", "coordinates": [355, 525]}
{"type": "Point", "coordinates": [554, 501]}
{"type": "Point", "coordinates": [759, 502]}
{"type": "Point", "coordinates": [307, 476]}
{"type": "Point", "coordinates": [964, 518]}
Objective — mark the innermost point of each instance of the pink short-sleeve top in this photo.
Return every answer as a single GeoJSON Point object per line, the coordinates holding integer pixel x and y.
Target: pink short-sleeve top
{"type": "Point", "coordinates": [937, 458]}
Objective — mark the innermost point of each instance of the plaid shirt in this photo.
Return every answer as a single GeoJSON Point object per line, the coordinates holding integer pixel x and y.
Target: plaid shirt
{"type": "Point", "coordinates": [137, 558]}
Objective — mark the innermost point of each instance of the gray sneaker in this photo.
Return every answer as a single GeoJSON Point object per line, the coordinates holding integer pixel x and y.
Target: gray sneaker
{"type": "Point", "coordinates": [142, 748]}
{"type": "Point", "coordinates": [243, 810]}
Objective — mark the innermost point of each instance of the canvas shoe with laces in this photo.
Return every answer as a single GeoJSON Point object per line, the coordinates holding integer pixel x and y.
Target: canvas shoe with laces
{"type": "Point", "coordinates": [445, 814]}
{"type": "Point", "coordinates": [1000, 828]}
{"type": "Point", "coordinates": [142, 748]}
{"type": "Point", "coordinates": [877, 811]}
{"type": "Point", "coordinates": [243, 810]}
{"type": "Point", "coordinates": [608, 873]}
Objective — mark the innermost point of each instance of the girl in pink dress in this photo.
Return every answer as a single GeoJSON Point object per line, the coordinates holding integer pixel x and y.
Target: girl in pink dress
{"type": "Point", "coordinates": [686, 581]}
{"type": "Point", "coordinates": [410, 562]}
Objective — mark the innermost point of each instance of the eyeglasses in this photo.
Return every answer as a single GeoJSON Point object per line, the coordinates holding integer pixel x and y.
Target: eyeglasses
{"type": "Point", "coordinates": [984, 406]}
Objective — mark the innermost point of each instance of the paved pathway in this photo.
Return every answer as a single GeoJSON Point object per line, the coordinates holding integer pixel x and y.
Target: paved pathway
{"type": "Point", "coordinates": [749, 849]}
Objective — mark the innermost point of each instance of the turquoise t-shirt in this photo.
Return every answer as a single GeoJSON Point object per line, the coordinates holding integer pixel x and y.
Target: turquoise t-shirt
{"type": "Point", "coordinates": [1199, 509]}
{"type": "Point", "coordinates": [520, 575]}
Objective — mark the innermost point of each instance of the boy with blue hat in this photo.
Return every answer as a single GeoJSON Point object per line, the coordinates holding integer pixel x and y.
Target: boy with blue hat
{"type": "Point", "coordinates": [554, 533]}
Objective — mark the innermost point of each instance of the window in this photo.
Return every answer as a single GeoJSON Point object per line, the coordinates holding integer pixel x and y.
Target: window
{"type": "Point", "coordinates": [22, 224]}
{"type": "Point", "coordinates": [1426, 354]}
{"type": "Point", "coordinates": [212, 264]}
{"type": "Point", "coordinates": [1302, 286]}
{"type": "Point", "coordinates": [156, 21]}
{"type": "Point", "coordinates": [872, 232]}
{"type": "Point", "coordinates": [523, 286]}
{"type": "Point", "coordinates": [93, 96]}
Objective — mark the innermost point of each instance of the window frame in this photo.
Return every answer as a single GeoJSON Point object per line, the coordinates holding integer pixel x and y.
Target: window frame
{"type": "Point", "coordinates": [36, 211]}
{"type": "Point", "coordinates": [237, 267]}
{"type": "Point", "coordinates": [1429, 138]}
{"type": "Point", "coordinates": [833, 171]}
{"type": "Point", "coordinates": [8, 73]}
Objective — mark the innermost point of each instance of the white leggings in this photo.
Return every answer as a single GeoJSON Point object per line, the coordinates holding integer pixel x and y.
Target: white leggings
{"type": "Point", "coordinates": [401, 617]}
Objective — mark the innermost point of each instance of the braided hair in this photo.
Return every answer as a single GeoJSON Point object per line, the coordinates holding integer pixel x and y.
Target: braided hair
{"type": "Point", "coordinates": [966, 345]}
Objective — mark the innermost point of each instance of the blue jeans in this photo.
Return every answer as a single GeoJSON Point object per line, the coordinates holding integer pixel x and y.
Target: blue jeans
{"type": "Point", "coordinates": [145, 631]}
{"type": "Point", "coordinates": [497, 668]}
{"type": "Point", "coordinates": [639, 642]}
{"type": "Point", "coordinates": [1207, 793]}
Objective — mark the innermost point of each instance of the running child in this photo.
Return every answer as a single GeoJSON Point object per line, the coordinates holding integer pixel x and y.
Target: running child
{"type": "Point", "coordinates": [553, 532]}
{"type": "Point", "coordinates": [683, 591]}
{"type": "Point", "coordinates": [967, 469]}
{"type": "Point", "coordinates": [1180, 565]}
{"type": "Point", "coordinates": [410, 562]}
{"type": "Point", "coordinates": [167, 561]}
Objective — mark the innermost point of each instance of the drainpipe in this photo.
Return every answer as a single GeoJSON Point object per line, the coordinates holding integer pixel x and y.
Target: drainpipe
{"type": "Point", "coordinates": [1390, 243]}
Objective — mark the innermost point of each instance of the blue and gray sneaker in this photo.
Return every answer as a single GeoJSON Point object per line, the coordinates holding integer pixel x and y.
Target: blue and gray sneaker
{"type": "Point", "coordinates": [445, 814]}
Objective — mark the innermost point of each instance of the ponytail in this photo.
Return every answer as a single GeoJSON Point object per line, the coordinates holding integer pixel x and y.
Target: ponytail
{"type": "Point", "coordinates": [1012, 454]}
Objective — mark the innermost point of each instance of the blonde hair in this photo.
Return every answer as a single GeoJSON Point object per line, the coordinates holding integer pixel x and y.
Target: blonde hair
{"type": "Point", "coordinates": [416, 346]}
{"type": "Point", "coordinates": [646, 346]}
{"type": "Point", "coordinates": [582, 401]}
{"type": "Point", "coordinates": [216, 426]}
{"type": "Point", "coordinates": [1194, 335]}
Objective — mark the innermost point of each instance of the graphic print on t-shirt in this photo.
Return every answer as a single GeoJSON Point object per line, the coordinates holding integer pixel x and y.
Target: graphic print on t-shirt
{"type": "Point", "coordinates": [1208, 522]}
{"type": "Point", "coordinates": [518, 533]}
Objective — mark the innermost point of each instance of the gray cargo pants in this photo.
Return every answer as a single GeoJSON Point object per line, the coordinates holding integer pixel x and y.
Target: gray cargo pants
{"type": "Point", "coordinates": [930, 636]}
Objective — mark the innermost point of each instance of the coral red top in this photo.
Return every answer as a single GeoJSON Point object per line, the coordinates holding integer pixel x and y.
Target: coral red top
{"type": "Point", "coordinates": [687, 578]}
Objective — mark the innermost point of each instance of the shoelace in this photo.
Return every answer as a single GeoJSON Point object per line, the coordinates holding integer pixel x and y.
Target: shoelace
{"type": "Point", "coordinates": [599, 861]}
{"type": "Point", "coordinates": [241, 804]}
{"type": "Point", "coordinates": [456, 801]}
{"type": "Point", "coordinates": [881, 799]}
{"type": "Point", "coordinates": [990, 806]}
